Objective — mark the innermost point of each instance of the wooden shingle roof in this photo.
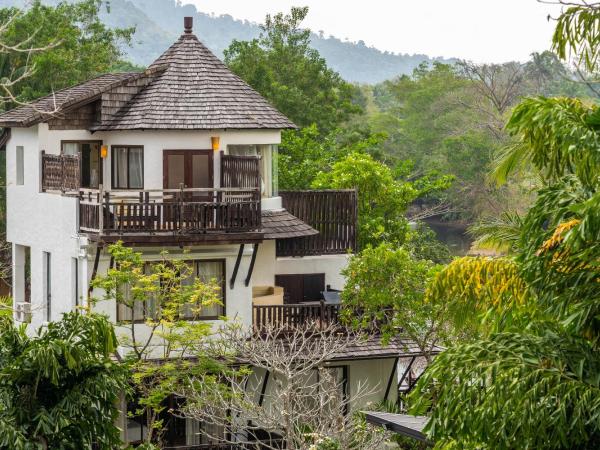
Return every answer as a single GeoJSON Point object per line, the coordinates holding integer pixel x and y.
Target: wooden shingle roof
{"type": "Point", "coordinates": [280, 224]}
{"type": "Point", "coordinates": [196, 92]}
{"type": "Point", "coordinates": [374, 347]}
{"type": "Point", "coordinates": [187, 88]}
{"type": "Point", "coordinates": [45, 107]}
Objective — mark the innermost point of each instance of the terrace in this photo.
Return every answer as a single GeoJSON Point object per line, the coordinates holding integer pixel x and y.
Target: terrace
{"type": "Point", "coordinates": [318, 223]}
{"type": "Point", "coordinates": [228, 214]}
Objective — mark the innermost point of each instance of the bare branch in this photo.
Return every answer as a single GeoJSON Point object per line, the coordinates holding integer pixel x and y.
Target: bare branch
{"type": "Point", "coordinates": [304, 402]}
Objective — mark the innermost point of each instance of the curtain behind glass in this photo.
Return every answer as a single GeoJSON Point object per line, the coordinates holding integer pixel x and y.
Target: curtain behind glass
{"type": "Point", "coordinates": [120, 167]}
{"type": "Point", "coordinates": [136, 168]}
{"type": "Point", "coordinates": [70, 148]}
{"type": "Point", "coordinates": [208, 271]}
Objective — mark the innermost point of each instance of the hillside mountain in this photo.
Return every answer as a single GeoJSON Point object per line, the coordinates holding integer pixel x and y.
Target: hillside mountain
{"type": "Point", "coordinates": [159, 22]}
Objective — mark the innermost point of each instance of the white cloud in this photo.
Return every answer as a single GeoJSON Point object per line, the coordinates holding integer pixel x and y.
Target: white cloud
{"type": "Point", "coordinates": [479, 30]}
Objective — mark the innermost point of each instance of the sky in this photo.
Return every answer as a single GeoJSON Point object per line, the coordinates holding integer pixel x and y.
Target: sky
{"type": "Point", "coordinates": [476, 30]}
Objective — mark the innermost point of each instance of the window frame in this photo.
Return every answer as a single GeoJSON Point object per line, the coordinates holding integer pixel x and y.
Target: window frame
{"type": "Point", "coordinates": [100, 163]}
{"type": "Point", "coordinates": [113, 162]}
{"type": "Point", "coordinates": [223, 286]}
{"type": "Point", "coordinates": [20, 165]}
{"type": "Point", "coordinates": [47, 270]}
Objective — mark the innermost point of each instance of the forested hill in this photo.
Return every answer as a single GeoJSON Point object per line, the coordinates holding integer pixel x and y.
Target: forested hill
{"type": "Point", "coordinates": [159, 22]}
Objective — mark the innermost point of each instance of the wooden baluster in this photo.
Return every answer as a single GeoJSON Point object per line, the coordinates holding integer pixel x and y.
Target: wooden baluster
{"type": "Point", "coordinates": [100, 209]}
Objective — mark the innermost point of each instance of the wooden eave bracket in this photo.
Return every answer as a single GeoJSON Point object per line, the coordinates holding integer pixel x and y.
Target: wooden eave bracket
{"type": "Point", "coordinates": [236, 267]}
{"type": "Point", "coordinates": [251, 268]}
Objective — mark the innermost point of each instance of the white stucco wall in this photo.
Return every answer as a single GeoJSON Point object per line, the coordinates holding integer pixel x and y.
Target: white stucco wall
{"type": "Point", "coordinates": [268, 265]}
{"type": "Point", "coordinates": [367, 383]}
{"type": "Point", "coordinates": [373, 375]}
{"type": "Point", "coordinates": [154, 143]}
{"type": "Point", "coordinates": [45, 223]}
{"type": "Point", "coordinates": [238, 300]}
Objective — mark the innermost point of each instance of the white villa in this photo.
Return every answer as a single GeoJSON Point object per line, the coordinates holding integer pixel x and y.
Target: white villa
{"type": "Point", "coordinates": [180, 156]}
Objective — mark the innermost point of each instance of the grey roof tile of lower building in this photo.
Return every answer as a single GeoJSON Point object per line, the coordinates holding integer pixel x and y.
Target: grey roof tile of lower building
{"type": "Point", "coordinates": [375, 346]}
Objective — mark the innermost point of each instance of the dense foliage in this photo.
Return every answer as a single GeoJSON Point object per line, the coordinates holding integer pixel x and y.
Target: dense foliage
{"type": "Point", "coordinates": [172, 300]}
{"type": "Point", "coordinates": [451, 119]}
{"type": "Point", "coordinates": [59, 388]}
{"type": "Point", "coordinates": [388, 286]}
{"type": "Point", "coordinates": [79, 45]}
{"type": "Point", "coordinates": [531, 380]}
{"type": "Point", "coordinates": [282, 66]}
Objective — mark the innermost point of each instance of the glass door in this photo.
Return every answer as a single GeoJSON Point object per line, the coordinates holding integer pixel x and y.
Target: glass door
{"type": "Point", "coordinates": [190, 169]}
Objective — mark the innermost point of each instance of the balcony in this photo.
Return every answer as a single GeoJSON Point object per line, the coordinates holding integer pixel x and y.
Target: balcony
{"type": "Point", "coordinates": [290, 316]}
{"type": "Point", "coordinates": [228, 215]}
{"type": "Point", "coordinates": [313, 223]}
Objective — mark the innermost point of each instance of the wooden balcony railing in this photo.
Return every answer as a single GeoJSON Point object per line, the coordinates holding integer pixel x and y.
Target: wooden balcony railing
{"type": "Point", "coordinates": [295, 315]}
{"type": "Point", "coordinates": [170, 211]}
{"type": "Point", "coordinates": [332, 213]}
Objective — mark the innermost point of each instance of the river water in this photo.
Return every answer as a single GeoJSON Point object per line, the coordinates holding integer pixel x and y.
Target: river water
{"type": "Point", "coordinates": [453, 234]}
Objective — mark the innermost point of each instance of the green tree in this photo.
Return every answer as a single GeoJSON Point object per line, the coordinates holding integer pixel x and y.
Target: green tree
{"type": "Point", "coordinates": [533, 381]}
{"type": "Point", "coordinates": [172, 300]}
{"type": "Point", "coordinates": [60, 387]}
{"type": "Point", "coordinates": [388, 286]}
{"type": "Point", "coordinates": [382, 198]}
{"type": "Point", "coordinates": [306, 153]}
{"type": "Point", "coordinates": [76, 46]}
{"type": "Point", "coordinates": [282, 66]}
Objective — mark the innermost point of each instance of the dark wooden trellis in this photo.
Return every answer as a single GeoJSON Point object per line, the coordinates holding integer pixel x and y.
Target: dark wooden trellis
{"type": "Point", "coordinates": [240, 171]}
{"type": "Point", "coordinates": [333, 213]}
{"type": "Point", "coordinates": [60, 172]}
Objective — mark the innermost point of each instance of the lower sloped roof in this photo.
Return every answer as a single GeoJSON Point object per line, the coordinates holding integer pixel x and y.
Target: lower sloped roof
{"type": "Point", "coordinates": [46, 107]}
{"type": "Point", "coordinates": [280, 224]}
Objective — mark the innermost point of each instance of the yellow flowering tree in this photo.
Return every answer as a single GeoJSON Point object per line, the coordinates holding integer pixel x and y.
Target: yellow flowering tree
{"type": "Point", "coordinates": [532, 381]}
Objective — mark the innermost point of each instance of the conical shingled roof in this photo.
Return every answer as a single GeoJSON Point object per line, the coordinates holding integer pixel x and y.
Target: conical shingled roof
{"type": "Point", "coordinates": [195, 92]}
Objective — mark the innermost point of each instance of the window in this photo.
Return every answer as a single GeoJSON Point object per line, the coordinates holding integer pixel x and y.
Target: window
{"type": "Point", "coordinates": [48, 284]}
{"type": "Point", "coordinates": [127, 167]}
{"type": "Point", "coordinates": [21, 273]}
{"type": "Point", "coordinates": [91, 162]}
{"type": "Point", "coordinates": [205, 270]}
{"type": "Point", "coordinates": [20, 165]}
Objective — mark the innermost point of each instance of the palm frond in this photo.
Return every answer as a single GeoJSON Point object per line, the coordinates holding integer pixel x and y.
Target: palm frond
{"type": "Point", "coordinates": [481, 293]}
{"type": "Point", "coordinates": [498, 233]}
{"type": "Point", "coordinates": [509, 160]}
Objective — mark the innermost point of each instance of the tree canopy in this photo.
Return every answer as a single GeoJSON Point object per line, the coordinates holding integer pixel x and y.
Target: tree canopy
{"type": "Point", "coordinates": [282, 66]}
{"type": "Point", "coordinates": [77, 46]}
{"type": "Point", "coordinates": [59, 388]}
{"type": "Point", "coordinates": [531, 380]}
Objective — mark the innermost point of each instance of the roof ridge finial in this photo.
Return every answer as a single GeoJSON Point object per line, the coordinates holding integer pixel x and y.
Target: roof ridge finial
{"type": "Point", "coordinates": [188, 24]}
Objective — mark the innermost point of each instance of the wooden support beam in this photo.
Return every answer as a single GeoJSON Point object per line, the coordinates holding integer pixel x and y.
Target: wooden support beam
{"type": "Point", "coordinates": [406, 372]}
{"type": "Point", "coordinates": [391, 380]}
{"type": "Point", "coordinates": [263, 388]}
{"type": "Point", "coordinates": [251, 268]}
{"type": "Point", "coordinates": [94, 269]}
{"type": "Point", "coordinates": [236, 267]}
